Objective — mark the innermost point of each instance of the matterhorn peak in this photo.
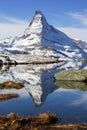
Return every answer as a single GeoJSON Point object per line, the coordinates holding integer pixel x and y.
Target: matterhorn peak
{"type": "Point", "coordinates": [37, 24]}
{"type": "Point", "coordinates": [39, 14]}
{"type": "Point", "coordinates": [38, 17]}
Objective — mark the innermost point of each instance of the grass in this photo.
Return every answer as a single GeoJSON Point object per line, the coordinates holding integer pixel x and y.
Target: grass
{"type": "Point", "coordinates": [72, 75]}
{"type": "Point", "coordinates": [72, 85]}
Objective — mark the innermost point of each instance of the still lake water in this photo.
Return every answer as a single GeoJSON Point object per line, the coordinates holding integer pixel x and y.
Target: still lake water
{"type": "Point", "coordinates": [40, 94]}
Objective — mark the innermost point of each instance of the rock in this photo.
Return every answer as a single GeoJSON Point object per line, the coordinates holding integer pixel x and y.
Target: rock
{"type": "Point", "coordinates": [13, 122]}
{"type": "Point", "coordinates": [11, 115]}
{"type": "Point", "coordinates": [10, 84]}
{"type": "Point", "coordinates": [72, 75]}
{"type": "Point", "coordinates": [48, 118]}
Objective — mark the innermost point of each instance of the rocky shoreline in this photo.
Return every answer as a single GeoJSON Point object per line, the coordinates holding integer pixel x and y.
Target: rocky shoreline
{"type": "Point", "coordinates": [45, 121]}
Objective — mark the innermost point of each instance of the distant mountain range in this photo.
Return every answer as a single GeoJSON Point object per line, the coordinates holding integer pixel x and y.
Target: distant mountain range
{"type": "Point", "coordinates": [43, 42]}
{"type": "Point", "coordinates": [82, 44]}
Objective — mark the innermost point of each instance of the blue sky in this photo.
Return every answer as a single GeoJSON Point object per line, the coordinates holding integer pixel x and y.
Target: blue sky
{"type": "Point", "coordinates": [69, 16]}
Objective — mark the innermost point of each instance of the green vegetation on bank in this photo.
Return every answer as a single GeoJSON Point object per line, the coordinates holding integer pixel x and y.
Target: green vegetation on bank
{"type": "Point", "coordinates": [72, 75]}
{"type": "Point", "coordinates": [72, 79]}
{"type": "Point", "coordinates": [71, 85]}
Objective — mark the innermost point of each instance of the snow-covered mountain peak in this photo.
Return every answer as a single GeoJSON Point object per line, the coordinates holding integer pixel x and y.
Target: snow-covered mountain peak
{"type": "Point", "coordinates": [38, 18]}
{"type": "Point", "coordinates": [39, 14]}
{"type": "Point", "coordinates": [36, 25]}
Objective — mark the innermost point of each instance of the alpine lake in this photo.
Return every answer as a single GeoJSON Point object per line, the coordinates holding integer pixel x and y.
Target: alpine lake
{"type": "Point", "coordinates": [41, 94]}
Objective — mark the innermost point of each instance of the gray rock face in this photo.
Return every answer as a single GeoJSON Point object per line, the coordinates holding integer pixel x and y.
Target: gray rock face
{"type": "Point", "coordinates": [82, 44]}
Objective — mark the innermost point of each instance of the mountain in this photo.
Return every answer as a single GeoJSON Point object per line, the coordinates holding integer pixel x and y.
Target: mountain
{"type": "Point", "coordinates": [42, 41]}
{"type": "Point", "coordinates": [82, 44]}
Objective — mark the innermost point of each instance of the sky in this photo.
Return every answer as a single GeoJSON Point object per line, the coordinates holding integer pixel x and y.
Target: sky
{"type": "Point", "coordinates": [69, 16]}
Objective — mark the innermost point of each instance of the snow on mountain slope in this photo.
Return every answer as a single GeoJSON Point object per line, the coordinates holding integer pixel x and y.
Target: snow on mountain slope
{"type": "Point", "coordinates": [7, 42]}
{"type": "Point", "coordinates": [42, 40]}
{"type": "Point", "coordinates": [82, 44]}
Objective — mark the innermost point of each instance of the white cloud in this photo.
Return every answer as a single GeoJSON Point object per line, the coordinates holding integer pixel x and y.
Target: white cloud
{"type": "Point", "coordinates": [81, 17]}
{"type": "Point", "coordinates": [15, 20]}
{"type": "Point", "coordinates": [8, 19]}
{"type": "Point", "coordinates": [80, 101]}
{"type": "Point", "coordinates": [75, 33]}
{"type": "Point", "coordinates": [7, 30]}
{"type": "Point", "coordinates": [11, 26]}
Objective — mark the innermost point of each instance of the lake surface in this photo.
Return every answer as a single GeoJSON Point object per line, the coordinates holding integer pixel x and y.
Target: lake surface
{"type": "Point", "coordinates": [40, 94]}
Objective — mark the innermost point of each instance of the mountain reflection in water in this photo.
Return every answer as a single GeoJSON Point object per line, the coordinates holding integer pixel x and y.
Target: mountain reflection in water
{"type": "Point", "coordinates": [39, 84]}
{"type": "Point", "coordinates": [38, 80]}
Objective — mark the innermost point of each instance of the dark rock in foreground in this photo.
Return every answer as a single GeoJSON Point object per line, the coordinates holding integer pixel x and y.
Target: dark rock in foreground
{"type": "Point", "coordinates": [67, 127]}
{"type": "Point", "coordinates": [41, 122]}
{"type": "Point", "coordinates": [13, 122]}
